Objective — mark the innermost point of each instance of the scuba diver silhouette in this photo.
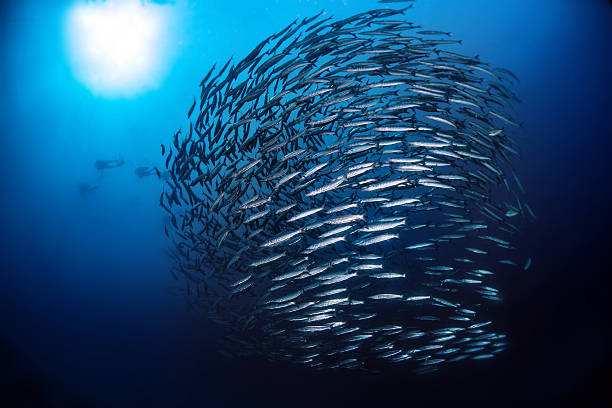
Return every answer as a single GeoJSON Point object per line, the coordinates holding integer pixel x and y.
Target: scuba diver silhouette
{"type": "Point", "coordinates": [109, 164]}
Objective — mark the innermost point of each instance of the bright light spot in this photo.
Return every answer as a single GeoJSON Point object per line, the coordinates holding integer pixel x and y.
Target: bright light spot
{"type": "Point", "coordinates": [116, 47]}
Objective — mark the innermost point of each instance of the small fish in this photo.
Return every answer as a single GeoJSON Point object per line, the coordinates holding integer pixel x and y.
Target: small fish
{"type": "Point", "coordinates": [375, 239]}
{"type": "Point", "coordinates": [385, 296]}
{"type": "Point", "coordinates": [190, 110]}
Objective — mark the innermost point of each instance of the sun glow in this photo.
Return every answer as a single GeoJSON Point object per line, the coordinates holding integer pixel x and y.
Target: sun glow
{"type": "Point", "coordinates": [116, 47]}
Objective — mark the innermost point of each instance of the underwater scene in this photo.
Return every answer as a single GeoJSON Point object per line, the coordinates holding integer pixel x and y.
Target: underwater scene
{"type": "Point", "coordinates": [302, 203]}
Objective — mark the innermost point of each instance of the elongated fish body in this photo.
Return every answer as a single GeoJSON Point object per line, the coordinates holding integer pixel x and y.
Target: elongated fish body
{"type": "Point", "coordinates": [348, 199]}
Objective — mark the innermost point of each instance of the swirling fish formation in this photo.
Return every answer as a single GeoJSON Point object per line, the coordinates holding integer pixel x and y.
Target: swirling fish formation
{"type": "Point", "coordinates": [345, 197]}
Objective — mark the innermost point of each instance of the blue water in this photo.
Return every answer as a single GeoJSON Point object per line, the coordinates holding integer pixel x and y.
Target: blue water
{"type": "Point", "coordinates": [86, 318]}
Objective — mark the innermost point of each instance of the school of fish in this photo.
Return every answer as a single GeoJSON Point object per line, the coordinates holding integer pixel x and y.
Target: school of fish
{"type": "Point", "coordinates": [344, 196]}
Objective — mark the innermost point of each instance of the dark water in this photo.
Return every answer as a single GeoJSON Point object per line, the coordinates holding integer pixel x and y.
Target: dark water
{"type": "Point", "coordinates": [85, 316]}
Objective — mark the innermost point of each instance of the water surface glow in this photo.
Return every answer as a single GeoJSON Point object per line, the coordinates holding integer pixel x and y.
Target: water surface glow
{"type": "Point", "coordinates": [116, 47]}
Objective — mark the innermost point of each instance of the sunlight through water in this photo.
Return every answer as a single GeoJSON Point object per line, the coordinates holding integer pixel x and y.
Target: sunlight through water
{"type": "Point", "coordinates": [117, 48]}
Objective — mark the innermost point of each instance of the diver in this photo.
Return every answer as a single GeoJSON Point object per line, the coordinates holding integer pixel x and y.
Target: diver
{"type": "Point", "coordinates": [86, 189]}
{"type": "Point", "coordinates": [144, 171]}
{"type": "Point", "coordinates": [109, 164]}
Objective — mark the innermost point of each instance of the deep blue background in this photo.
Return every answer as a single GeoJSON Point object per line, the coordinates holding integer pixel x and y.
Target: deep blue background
{"type": "Point", "coordinates": [85, 317]}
